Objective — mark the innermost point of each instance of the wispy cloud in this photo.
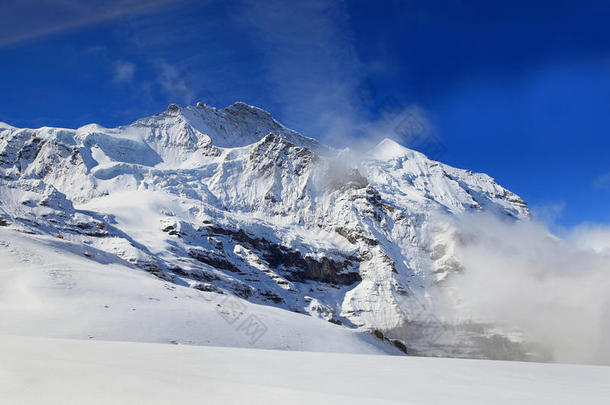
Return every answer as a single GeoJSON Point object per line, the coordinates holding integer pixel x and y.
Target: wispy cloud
{"type": "Point", "coordinates": [175, 82]}
{"type": "Point", "coordinates": [548, 213]}
{"type": "Point", "coordinates": [123, 71]}
{"type": "Point", "coordinates": [602, 182]}
{"type": "Point", "coordinates": [31, 19]}
{"type": "Point", "coordinates": [311, 62]}
{"type": "Point", "coordinates": [316, 76]}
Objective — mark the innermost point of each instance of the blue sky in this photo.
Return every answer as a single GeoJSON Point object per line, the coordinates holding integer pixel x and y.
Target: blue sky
{"type": "Point", "coordinates": [519, 90]}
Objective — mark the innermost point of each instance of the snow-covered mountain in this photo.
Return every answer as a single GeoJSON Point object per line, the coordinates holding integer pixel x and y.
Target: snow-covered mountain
{"type": "Point", "coordinates": [231, 202]}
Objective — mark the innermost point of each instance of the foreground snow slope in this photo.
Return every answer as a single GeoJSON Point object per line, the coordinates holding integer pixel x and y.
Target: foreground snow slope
{"type": "Point", "coordinates": [76, 372]}
{"type": "Point", "coordinates": [49, 287]}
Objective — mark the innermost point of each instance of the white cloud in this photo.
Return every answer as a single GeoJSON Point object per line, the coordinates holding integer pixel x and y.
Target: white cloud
{"type": "Point", "coordinates": [596, 237]}
{"type": "Point", "coordinates": [123, 71]}
{"type": "Point", "coordinates": [557, 291]}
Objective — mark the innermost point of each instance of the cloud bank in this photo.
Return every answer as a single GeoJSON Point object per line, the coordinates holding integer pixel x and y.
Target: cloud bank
{"type": "Point", "coordinates": [557, 291]}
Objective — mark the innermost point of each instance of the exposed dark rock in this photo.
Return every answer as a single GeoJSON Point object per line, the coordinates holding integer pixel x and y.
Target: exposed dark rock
{"type": "Point", "coordinates": [197, 274]}
{"type": "Point", "coordinates": [270, 197]}
{"type": "Point", "coordinates": [242, 290]}
{"type": "Point", "coordinates": [213, 259]}
{"type": "Point", "coordinates": [94, 229]}
{"type": "Point", "coordinates": [401, 346]}
{"type": "Point", "coordinates": [292, 262]}
{"type": "Point", "coordinates": [355, 235]}
{"type": "Point", "coordinates": [215, 243]}
{"type": "Point", "coordinates": [173, 108]}
{"type": "Point", "coordinates": [204, 275]}
{"type": "Point", "coordinates": [179, 271]}
{"type": "Point", "coordinates": [388, 260]}
{"type": "Point", "coordinates": [171, 230]}
{"type": "Point", "coordinates": [397, 343]}
{"type": "Point", "coordinates": [329, 271]}
{"type": "Point", "coordinates": [29, 152]}
{"type": "Point", "coordinates": [206, 287]}
{"type": "Point", "coordinates": [152, 268]}
{"type": "Point", "coordinates": [373, 197]}
{"type": "Point", "coordinates": [148, 266]}
{"type": "Point", "coordinates": [271, 296]}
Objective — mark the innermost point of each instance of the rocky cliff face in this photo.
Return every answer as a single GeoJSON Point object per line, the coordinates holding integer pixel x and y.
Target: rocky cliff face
{"type": "Point", "coordinates": [229, 200]}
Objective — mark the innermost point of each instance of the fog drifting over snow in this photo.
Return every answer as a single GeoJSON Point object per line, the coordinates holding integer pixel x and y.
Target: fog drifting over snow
{"type": "Point", "coordinates": [556, 290]}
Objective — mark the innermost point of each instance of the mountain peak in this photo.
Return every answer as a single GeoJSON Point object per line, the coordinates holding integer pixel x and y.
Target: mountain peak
{"type": "Point", "coordinates": [173, 109]}
{"type": "Point", "coordinates": [389, 149]}
{"type": "Point", "coordinates": [241, 107]}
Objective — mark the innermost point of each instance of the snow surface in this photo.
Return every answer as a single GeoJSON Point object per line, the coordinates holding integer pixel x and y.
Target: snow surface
{"type": "Point", "coordinates": [75, 372]}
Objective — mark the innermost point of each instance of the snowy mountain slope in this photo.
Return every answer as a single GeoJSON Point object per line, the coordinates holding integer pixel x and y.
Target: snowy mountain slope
{"type": "Point", "coordinates": [75, 372]}
{"type": "Point", "coordinates": [229, 200]}
{"type": "Point", "coordinates": [55, 288]}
